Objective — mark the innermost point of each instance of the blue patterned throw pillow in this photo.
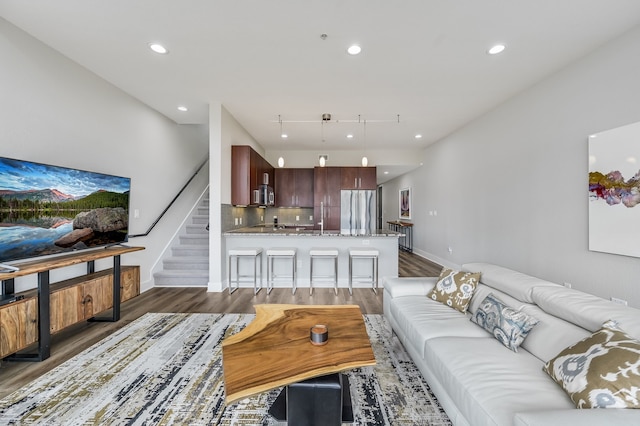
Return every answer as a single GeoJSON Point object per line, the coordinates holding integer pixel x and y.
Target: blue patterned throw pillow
{"type": "Point", "coordinates": [506, 324]}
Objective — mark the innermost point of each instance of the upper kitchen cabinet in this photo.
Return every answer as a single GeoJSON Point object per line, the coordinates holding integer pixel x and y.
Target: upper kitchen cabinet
{"type": "Point", "coordinates": [326, 188]}
{"type": "Point", "coordinates": [248, 171]}
{"type": "Point", "coordinates": [294, 187]}
{"type": "Point", "coordinates": [326, 192]}
{"type": "Point", "coordinates": [358, 178]}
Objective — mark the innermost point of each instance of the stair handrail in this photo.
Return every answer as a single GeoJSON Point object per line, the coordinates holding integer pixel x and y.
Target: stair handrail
{"type": "Point", "coordinates": [171, 203]}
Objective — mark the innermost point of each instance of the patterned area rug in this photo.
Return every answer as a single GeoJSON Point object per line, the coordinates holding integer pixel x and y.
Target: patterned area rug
{"type": "Point", "coordinates": [165, 369]}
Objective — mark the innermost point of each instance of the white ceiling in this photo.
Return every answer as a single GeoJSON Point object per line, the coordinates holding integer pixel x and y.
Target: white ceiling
{"type": "Point", "coordinates": [424, 60]}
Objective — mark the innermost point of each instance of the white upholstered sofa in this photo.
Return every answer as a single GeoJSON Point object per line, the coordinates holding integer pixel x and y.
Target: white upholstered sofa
{"type": "Point", "coordinates": [479, 381]}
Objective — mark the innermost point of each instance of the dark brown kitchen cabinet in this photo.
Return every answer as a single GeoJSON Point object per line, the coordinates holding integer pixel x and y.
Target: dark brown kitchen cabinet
{"type": "Point", "coordinates": [326, 190]}
{"type": "Point", "coordinates": [294, 187]}
{"type": "Point", "coordinates": [358, 178]}
{"type": "Point", "coordinates": [248, 170]}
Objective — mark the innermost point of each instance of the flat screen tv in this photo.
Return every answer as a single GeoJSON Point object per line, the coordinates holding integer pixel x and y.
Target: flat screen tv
{"type": "Point", "coordinates": [47, 210]}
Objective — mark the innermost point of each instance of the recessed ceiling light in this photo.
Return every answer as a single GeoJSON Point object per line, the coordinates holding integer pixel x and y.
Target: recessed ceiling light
{"type": "Point", "coordinates": [183, 108]}
{"type": "Point", "coordinates": [498, 48]}
{"type": "Point", "coordinates": [386, 172]}
{"type": "Point", "coordinates": [284, 136]}
{"type": "Point", "coordinates": [158, 48]}
{"type": "Point", "coordinates": [418, 136]}
{"type": "Point", "coordinates": [354, 49]}
{"type": "Point", "coordinates": [349, 136]}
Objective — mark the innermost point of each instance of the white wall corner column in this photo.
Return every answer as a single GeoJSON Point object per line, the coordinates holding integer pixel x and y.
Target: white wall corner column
{"type": "Point", "coordinates": [216, 182]}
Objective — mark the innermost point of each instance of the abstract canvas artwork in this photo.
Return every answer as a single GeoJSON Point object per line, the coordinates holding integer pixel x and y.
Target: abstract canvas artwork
{"type": "Point", "coordinates": [614, 191]}
{"type": "Point", "coordinates": [405, 203]}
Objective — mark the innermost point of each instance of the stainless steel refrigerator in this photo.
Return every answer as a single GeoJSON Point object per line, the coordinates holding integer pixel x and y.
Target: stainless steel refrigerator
{"type": "Point", "coordinates": [358, 211]}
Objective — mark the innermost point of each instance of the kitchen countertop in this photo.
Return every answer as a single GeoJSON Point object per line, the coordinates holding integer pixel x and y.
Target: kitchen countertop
{"type": "Point", "coordinates": [299, 231]}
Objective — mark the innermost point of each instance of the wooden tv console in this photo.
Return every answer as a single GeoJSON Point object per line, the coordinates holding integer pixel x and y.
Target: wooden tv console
{"type": "Point", "coordinates": [51, 307]}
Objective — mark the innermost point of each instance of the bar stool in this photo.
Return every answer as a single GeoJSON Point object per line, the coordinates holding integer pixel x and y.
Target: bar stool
{"type": "Point", "coordinates": [324, 253]}
{"type": "Point", "coordinates": [245, 252]}
{"type": "Point", "coordinates": [281, 253]}
{"type": "Point", "coordinates": [362, 253]}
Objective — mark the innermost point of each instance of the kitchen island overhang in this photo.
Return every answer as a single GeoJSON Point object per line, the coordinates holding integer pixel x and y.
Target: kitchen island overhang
{"type": "Point", "coordinates": [385, 241]}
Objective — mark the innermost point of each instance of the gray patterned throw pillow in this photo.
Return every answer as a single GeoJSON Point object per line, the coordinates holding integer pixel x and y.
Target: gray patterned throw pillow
{"type": "Point", "coordinates": [601, 371]}
{"type": "Point", "coordinates": [506, 324]}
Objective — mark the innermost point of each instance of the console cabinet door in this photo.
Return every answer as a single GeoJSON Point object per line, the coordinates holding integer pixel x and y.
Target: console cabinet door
{"type": "Point", "coordinates": [129, 282]}
{"type": "Point", "coordinates": [66, 307]}
{"type": "Point", "coordinates": [18, 326]}
{"type": "Point", "coordinates": [97, 295]}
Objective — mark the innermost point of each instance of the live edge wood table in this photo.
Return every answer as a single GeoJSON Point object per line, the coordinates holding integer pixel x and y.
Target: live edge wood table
{"type": "Point", "coordinates": [274, 349]}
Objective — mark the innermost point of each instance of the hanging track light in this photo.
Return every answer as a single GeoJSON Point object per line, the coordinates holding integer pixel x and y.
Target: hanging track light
{"type": "Point", "coordinates": [365, 160]}
{"type": "Point", "coordinates": [283, 136]}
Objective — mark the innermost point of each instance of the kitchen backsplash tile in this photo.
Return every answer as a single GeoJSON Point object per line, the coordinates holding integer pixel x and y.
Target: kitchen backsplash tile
{"type": "Point", "coordinates": [250, 216]}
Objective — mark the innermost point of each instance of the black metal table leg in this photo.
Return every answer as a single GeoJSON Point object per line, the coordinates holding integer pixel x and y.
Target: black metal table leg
{"type": "Point", "coordinates": [91, 267]}
{"type": "Point", "coordinates": [8, 286]}
{"type": "Point", "coordinates": [115, 316]}
{"type": "Point", "coordinates": [44, 323]}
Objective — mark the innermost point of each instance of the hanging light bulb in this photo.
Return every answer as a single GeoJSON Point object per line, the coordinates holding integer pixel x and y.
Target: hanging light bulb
{"type": "Point", "coordinates": [283, 136]}
{"type": "Point", "coordinates": [365, 160]}
{"type": "Point", "coordinates": [322, 160]}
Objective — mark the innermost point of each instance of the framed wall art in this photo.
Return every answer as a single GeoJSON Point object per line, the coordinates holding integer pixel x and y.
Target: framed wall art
{"type": "Point", "coordinates": [405, 203]}
{"type": "Point", "coordinates": [614, 191]}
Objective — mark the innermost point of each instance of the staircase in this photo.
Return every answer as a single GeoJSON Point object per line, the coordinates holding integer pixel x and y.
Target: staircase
{"type": "Point", "coordinates": [188, 265]}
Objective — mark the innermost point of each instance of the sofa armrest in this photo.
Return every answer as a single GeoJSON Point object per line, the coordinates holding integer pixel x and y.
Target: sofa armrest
{"type": "Point", "coordinates": [408, 286]}
{"type": "Point", "coordinates": [586, 417]}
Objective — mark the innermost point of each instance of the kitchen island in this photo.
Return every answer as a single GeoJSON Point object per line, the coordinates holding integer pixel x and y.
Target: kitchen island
{"type": "Point", "coordinates": [385, 241]}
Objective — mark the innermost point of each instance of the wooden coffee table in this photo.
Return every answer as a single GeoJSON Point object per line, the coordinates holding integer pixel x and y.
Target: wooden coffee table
{"type": "Point", "coordinates": [274, 349]}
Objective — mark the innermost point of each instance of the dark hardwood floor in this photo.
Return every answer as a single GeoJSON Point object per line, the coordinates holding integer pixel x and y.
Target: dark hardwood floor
{"type": "Point", "coordinates": [73, 340]}
{"type": "Point", "coordinates": [412, 265]}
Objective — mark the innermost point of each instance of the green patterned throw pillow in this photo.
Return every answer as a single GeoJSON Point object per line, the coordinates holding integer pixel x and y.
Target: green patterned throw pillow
{"type": "Point", "coordinates": [506, 324]}
{"type": "Point", "coordinates": [600, 371]}
{"type": "Point", "coordinates": [455, 288]}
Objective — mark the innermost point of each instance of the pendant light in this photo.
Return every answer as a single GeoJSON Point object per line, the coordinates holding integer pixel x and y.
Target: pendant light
{"type": "Point", "coordinates": [283, 136]}
{"type": "Point", "coordinates": [322, 160]}
{"type": "Point", "coordinates": [365, 160]}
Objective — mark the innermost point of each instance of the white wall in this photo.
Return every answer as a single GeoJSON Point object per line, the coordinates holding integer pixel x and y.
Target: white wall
{"type": "Point", "coordinates": [225, 132]}
{"type": "Point", "coordinates": [511, 187]}
{"type": "Point", "coordinates": [56, 112]}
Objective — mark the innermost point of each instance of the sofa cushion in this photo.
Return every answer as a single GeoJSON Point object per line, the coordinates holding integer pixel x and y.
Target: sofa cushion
{"type": "Point", "coordinates": [515, 284]}
{"type": "Point", "coordinates": [508, 325]}
{"type": "Point", "coordinates": [491, 384]}
{"type": "Point", "coordinates": [420, 319]}
{"type": "Point", "coordinates": [483, 291]}
{"type": "Point", "coordinates": [578, 417]}
{"type": "Point", "coordinates": [551, 334]}
{"type": "Point", "coordinates": [601, 371]}
{"type": "Point", "coordinates": [455, 288]}
{"type": "Point", "coordinates": [586, 310]}
{"type": "Point", "coordinates": [408, 286]}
